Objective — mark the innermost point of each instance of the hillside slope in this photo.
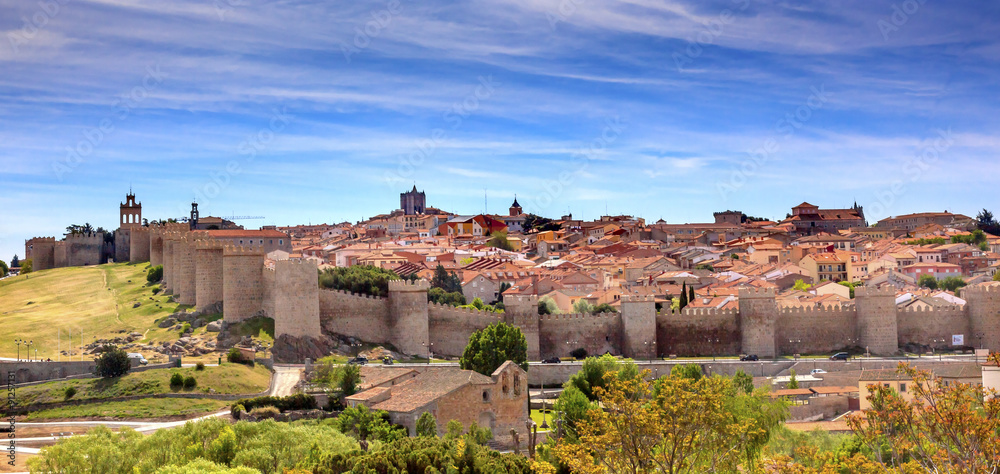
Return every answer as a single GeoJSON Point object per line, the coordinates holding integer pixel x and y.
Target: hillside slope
{"type": "Point", "coordinates": [97, 302]}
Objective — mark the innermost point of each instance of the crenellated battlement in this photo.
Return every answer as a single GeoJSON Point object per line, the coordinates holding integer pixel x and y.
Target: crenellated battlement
{"type": "Point", "coordinates": [36, 240]}
{"type": "Point", "coordinates": [578, 316]}
{"type": "Point", "coordinates": [354, 295]}
{"type": "Point", "coordinates": [637, 299]}
{"type": "Point", "coordinates": [210, 244]}
{"type": "Point", "coordinates": [704, 312]}
{"type": "Point", "coordinates": [467, 312]}
{"type": "Point", "coordinates": [409, 286]}
{"type": "Point", "coordinates": [751, 292]}
{"type": "Point", "coordinates": [243, 251]}
{"type": "Point", "coordinates": [981, 289]}
{"type": "Point", "coordinates": [935, 310]}
{"type": "Point", "coordinates": [872, 291]}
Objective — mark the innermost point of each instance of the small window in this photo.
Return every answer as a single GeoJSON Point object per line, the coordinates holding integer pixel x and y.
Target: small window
{"type": "Point", "coordinates": [902, 388]}
{"type": "Point", "coordinates": [281, 242]}
{"type": "Point", "coordinates": [486, 396]}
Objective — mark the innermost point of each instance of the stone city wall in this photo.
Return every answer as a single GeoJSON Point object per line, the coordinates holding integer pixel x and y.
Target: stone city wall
{"type": "Point", "coordinates": [361, 316]}
{"type": "Point", "coordinates": [698, 332]}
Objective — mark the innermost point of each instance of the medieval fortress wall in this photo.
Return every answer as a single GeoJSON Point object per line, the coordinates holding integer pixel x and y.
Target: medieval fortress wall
{"type": "Point", "coordinates": [208, 274]}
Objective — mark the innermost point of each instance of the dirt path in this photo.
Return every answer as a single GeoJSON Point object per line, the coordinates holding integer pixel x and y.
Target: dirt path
{"type": "Point", "coordinates": [285, 379]}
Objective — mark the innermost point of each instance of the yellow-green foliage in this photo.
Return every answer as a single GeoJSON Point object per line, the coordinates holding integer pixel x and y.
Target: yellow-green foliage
{"type": "Point", "coordinates": [135, 409]}
{"type": "Point", "coordinates": [97, 299]}
{"type": "Point", "coordinates": [266, 447]}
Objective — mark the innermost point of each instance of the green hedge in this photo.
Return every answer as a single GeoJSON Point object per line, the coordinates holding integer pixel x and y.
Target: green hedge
{"type": "Point", "coordinates": [299, 401]}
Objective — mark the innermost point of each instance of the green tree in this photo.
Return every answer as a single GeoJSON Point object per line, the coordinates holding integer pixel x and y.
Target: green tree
{"type": "Point", "coordinates": [573, 405]}
{"type": "Point", "coordinates": [690, 294]}
{"type": "Point", "coordinates": [684, 295]}
{"type": "Point", "coordinates": [490, 347]}
{"type": "Point", "coordinates": [27, 266]}
{"type": "Point", "coordinates": [952, 283]}
{"type": "Point", "coordinates": [15, 262]}
{"type": "Point", "coordinates": [453, 430]}
{"type": "Point", "coordinates": [583, 307]}
{"type": "Point", "coordinates": [793, 383]}
{"type": "Point", "coordinates": [547, 305]}
{"type": "Point", "coordinates": [928, 281]}
{"type": "Point", "coordinates": [449, 282]}
{"type": "Point", "coordinates": [604, 308]}
{"type": "Point", "coordinates": [155, 274]}
{"type": "Point", "coordinates": [593, 374]}
{"type": "Point", "coordinates": [364, 424]}
{"type": "Point", "coordinates": [360, 279]}
{"type": "Point", "coordinates": [439, 296]}
{"type": "Point", "coordinates": [113, 362]}
{"type": "Point", "coordinates": [427, 425]}
{"type": "Point", "coordinates": [850, 285]}
{"type": "Point", "coordinates": [743, 381]}
{"type": "Point", "coordinates": [996, 276]}
{"type": "Point", "coordinates": [4, 270]}
{"type": "Point", "coordinates": [349, 379]}
{"type": "Point", "coordinates": [499, 240]}
{"type": "Point", "coordinates": [689, 371]}
{"type": "Point", "coordinates": [801, 285]}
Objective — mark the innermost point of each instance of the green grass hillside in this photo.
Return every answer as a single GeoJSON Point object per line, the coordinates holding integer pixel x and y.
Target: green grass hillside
{"type": "Point", "coordinates": [97, 301]}
{"type": "Point", "coordinates": [236, 379]}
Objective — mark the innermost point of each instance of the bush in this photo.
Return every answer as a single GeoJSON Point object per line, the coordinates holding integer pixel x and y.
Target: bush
{"type": "Point", "coordinates": [155, 274]}
{"type": "Point", "coordinates": [299, 401]}
{"type": "Point", "coordinates": [263, 413]}
{"type": "Point", "coordinates": [360, 279]}
{"type": "Point", "coordinates": [156, 290]}
{"type": "Point", "coordinates": [113, 362]}
{"type": "Point", "coordinates": [69, 392]}
{"type": "Point", "coordinates": [186, 328]}
{"type": "Point", "coordinates": [427, 425]}
{"type": "Point", "coordinates": [579, 353]}
{"type": "Point", "coordinates": [176, 380]}
{"type": "Point", "coordinates": [235, 356]}
{"type": "Point", "coordinates": [200, 366]}
{"type": "Point", "coordinates": [237, 410]}
{"type": "Point", "coordinates": [190, 382]}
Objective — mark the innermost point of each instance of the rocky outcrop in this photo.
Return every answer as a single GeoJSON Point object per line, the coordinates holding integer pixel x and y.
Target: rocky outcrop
{"type": "Point", "coordinates": [291, 349]}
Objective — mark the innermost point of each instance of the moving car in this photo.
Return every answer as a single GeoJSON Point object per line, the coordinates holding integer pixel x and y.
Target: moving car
{"type": "Point", "coordinates": [749, 358]}
{"type": "Point", "coordinates": [840, 356]}
{"type": "Point", "coordinates": [552, 360]}
{"type": "Point", "coordinates": [817, 371]}
{"type": "Point", "coordinates": [359, 360]}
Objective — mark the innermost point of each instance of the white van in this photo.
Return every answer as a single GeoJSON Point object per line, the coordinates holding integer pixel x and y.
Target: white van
{"type": "Point", "coordinates": [137, 358]}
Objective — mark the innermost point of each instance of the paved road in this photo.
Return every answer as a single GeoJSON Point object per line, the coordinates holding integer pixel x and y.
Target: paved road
{"type": "Point", "coordinates": [285, 379]}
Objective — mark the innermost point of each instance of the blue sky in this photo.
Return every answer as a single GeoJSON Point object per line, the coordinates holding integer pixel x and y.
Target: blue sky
{"type": "Point", "coordinates": [315, 111]}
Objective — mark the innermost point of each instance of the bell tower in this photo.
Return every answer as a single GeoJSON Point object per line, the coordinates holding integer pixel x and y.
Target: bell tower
{"type": "Point", "coordinates": [515, 209]}
{"type": "Point", "coordinates": [130, 216]}
{"type": "Point", "coordinates": [194, 216]}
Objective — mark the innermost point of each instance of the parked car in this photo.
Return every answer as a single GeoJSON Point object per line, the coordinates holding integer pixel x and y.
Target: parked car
{"type": "Point", "coordinates": [817, 371]}
{"type": "Point", "coordinates": [840, 356]}
{"type": "Point", "coordinates": [387, 360]}
{"type": "Point", "coordinates": [359, 360]}
{"type": "Point", "coordinates": [552, 360]}
{"type": "Point", "coordinates": [749, 358]}
{"type": "Point", "coordinates": [137, 358]}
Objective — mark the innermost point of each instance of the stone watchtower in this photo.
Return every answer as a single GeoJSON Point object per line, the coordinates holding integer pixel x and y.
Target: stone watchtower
{"type": "Point", "coordinates": [296, 295]}
{"type": "Point", "coordinates": [522, 311]}
{"type": "Point", "coordinates": [983, 309]}
{"type": "Point", "coordinates": [877, 323]}
{"type": "Point", "coordinates": [758, 318]}
{"type": "Point", "coordinates": [208, 271]}
{"type": "Point", "coordinates": [185, 272]}
{"type": "Point", "coordinates": [638, 327]}
{"type": "Point", "coordinates": [411, 320]}
{"type": "Point", "coordinates": [243, 283]}
{"type": "Point", "coordinates": [130, 213]}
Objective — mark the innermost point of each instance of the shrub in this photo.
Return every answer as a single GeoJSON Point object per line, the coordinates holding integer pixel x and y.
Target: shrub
{"type": "Point", "coordinates": [155, 274]}
{"type": "Point", "coordinates": [186, 328]}
{"type": "Point", "coordinates": [237, 410]}
{"type": "Point", "coordinates": [156, 290]}
{"type": "Point", "coordinates": [579, 353]}
{"type": "Point", "coordinates": [200, 366]}
{"type": "Point", "coordinates": [263, 413]}
{"type": "Point", "coordinates": [113, 362]}
{"type": "Point", "coordinates": [190, 382]}
{"type": "Point", "coordinates": [299, 401]}
{"type": "Point", "coordinates": [235, 356]}
{"type": "Point", "coordinates": [427, 425]}
{"type": "Point", "coordinates": [69, 392]}
{"type": "Point", "coordinates": [176, 380]}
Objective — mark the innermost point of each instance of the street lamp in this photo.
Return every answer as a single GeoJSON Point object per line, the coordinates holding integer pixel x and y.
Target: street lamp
{"type": "Point", "coordinates": [569, 346]}
{"type": "Point", "coordinates": [430, 350]}
{"type": "Point", "coordinates": [18, 342]}
{"type": "Point", "coordinates": [716, 340]}
{"type": "Point", "coordinates": [28, 351]}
